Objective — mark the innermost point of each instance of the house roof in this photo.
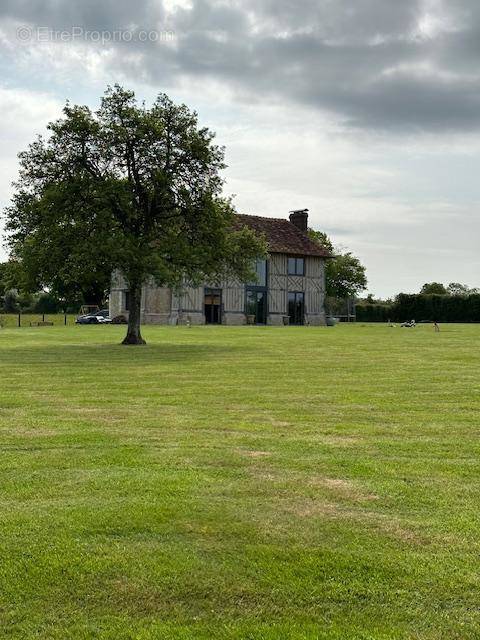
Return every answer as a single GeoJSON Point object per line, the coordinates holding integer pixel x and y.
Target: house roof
{"type": "Point", "coordinates": [283, 237]}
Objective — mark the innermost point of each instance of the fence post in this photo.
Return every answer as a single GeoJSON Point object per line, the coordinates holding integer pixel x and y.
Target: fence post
{"type": "Point", "coordinates": [19, 319]}
{"type": "Point", "coordinates": [65, 320]}
{"type": "Point", "coordinates": [43, 317]}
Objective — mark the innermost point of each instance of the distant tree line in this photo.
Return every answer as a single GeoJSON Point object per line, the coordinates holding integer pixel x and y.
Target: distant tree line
{"type": "Point", "coordinates": [17, 297]}
{"type": "Point", "coordinates": [435, 302]}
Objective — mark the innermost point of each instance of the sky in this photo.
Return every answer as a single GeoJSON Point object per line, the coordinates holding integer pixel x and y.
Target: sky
{"type": "Point", "coordinates": [366, 112]}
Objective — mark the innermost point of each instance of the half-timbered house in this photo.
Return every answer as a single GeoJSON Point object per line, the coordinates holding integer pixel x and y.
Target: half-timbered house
{"type": "Point", "coordinates": [289, 289]}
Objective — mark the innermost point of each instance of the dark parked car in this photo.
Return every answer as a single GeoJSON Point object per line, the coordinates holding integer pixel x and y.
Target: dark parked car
{"type": "Point", "coordinates": [99, 317]}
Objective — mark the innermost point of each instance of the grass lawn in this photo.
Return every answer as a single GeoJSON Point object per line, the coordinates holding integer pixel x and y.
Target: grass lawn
{"type": "Point", "coordinates": [247, 483]}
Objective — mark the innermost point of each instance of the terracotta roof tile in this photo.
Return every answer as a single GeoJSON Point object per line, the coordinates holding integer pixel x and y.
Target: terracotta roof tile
{"type": "Point", "coordinates": [282, 236]}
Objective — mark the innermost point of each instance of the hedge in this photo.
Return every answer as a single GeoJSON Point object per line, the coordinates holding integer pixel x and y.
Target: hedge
{"type": "Point", "coordinates": [423, 308]}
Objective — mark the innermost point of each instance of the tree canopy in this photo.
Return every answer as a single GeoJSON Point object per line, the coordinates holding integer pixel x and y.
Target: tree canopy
{"type": "Point", "coordinates": [344, 273]}
{"type": "Point", "coordinates": [458, 289]}
{"type": "Point", "coordinates": [452, 289]}
{"type": "Point", "coordinates": [434, 288]}
{"type": "Point", "coordinates": [126, 188]}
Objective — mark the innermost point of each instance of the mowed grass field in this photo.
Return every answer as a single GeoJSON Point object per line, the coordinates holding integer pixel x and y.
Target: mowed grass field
{"type": "Point", "coordinates": [240, 483]}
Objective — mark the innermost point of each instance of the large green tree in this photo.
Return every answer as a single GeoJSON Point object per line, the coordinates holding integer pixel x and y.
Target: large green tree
{"type": "Point", "coordinates": [344, 273]}
{"type": "Point", "coordinates": [126, 188]}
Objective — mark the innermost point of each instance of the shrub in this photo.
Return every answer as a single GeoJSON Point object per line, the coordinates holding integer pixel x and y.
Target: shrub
{"type": "Point", "coordinates": [10, 302]}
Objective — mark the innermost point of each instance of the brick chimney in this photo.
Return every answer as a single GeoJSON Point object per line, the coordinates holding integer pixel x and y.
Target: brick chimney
{"type": "Point", "coordinates": [299, 218]}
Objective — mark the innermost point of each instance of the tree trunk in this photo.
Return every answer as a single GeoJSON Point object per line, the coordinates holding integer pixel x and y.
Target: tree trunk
{"type": "Point", "coordinates": [133, 332]}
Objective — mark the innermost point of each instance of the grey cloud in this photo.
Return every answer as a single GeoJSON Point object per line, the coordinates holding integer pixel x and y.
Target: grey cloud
{"type": "Point", "coordinates": [90, 14]}
{"type": "Point", "coordinates": [345, 20]}
{"type": "Point", "coordinates": [363, 60]}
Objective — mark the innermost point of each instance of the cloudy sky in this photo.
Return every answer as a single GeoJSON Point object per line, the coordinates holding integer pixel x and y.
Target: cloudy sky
{"type": "Point", "coordinates": [365, 111]}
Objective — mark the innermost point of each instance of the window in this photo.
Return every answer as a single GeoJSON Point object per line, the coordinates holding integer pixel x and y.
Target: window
{"type": "Point", "coordinates": [213, 306]}
{"type": "Point", "coordinates": [296, 307]}
{"type": "Point", "coordinates": [256, 294]}
{"type": "Point", "coordinates": [256, 305]}
{"type": "Point", "coordinates": [261, 271]}
{"type": "Point", "coordinates": [296, 266]}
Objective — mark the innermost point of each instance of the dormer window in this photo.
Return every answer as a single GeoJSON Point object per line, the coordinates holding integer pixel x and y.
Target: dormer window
{"type": "Point", "coordinates": [296, 266]}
